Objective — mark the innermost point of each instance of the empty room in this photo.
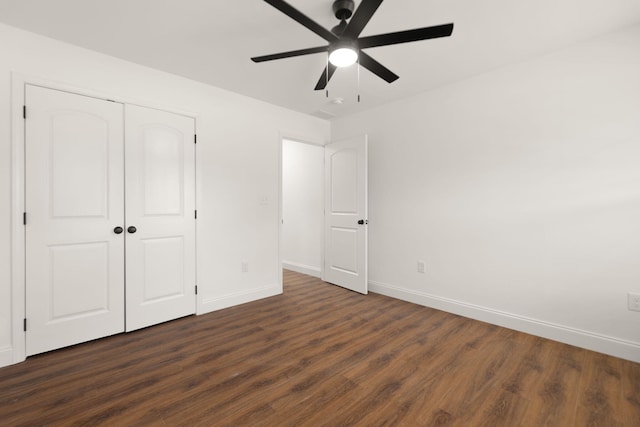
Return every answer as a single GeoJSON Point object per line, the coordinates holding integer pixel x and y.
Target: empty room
{"type": "Point", "coordinates": [320, 213]}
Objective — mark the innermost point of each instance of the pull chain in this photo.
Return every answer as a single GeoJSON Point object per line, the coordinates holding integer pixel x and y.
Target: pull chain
{"type": "Point", "coordinates": [326, 69]}
{"type": "Point", "coordinates": [358, 78]}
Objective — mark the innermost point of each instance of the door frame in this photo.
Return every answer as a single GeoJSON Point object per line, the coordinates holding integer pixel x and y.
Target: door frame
{"type": "Point", "coordinates": [299, 140]}
{"type": "Point", "coordinates": [17, 352]}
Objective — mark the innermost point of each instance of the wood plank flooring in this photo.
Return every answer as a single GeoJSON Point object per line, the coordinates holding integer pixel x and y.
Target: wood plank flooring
{"type": "Point", "coordinates": [320, 355]}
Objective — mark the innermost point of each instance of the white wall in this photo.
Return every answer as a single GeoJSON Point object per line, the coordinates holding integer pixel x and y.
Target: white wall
{"type": "Point", "coordinates": [238, 165]}
{"type": "Point", "coordinates": [302, 206]}
{"type": "Point", "coordinates": [520, 189]}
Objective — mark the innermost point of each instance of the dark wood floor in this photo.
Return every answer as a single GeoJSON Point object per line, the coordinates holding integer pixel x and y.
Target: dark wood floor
{"type": "Point", "coordinates": [321, 355]}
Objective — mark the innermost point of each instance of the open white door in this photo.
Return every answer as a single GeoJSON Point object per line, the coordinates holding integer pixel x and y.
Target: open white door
{"type": "Point", "coordinates": [75, 214]}
{"type": "Point", "coordinates": [345, 224]}
{"type": "Point", "coordinates": [160, 216]}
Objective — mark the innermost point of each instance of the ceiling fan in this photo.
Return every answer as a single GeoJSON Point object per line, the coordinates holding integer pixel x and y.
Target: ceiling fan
{"type": "Point", "coordinates": [345, 46]}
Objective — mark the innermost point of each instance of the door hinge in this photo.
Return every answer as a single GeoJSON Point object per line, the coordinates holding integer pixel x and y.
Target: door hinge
{"type": "Point", "coordinates": [195, 139]}
{"type": "Point", "coordinates": [24, 218]}
{"type": "Point", "coordinates": [25, 324]}
{"type": "Point", "coordinates": [195, 214]}
{"type": "Point", "coordinates": [24, 111]}
{"type": "Point", "coordinates": [196, 289]}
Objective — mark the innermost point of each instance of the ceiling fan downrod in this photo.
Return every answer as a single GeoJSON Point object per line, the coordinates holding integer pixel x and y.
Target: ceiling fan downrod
{"type": "Point", "coordinates": [342, 9]}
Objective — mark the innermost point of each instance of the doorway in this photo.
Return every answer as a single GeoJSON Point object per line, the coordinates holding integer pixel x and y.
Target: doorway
{"type": "Point", "coordinates": [324, 211]}
{"type": "Point", "coordinates": [302, 207]}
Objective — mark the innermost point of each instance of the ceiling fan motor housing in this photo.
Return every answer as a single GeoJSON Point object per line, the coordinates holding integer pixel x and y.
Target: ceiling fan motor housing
{"type": "Point", "coordinates": [343, 9]}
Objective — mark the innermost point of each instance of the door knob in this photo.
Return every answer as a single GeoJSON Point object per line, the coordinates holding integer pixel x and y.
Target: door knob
{"type": "Point", "coordinates": [132, 229]}
{"type": "Point", "coordinates": [362, 221]}
{"type": "Point", "coordinates": [118, 230]}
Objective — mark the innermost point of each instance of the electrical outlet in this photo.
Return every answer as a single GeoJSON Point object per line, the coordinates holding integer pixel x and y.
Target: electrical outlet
{"type": "Point", "coordinates": [420, 266]}
{"type": "Point", "coordinates": [633, 301]}
{"type": "Point", "coordinates": [244, 266]}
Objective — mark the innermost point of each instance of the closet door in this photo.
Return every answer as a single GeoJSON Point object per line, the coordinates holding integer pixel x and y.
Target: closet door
{"type": "Point", "coordinates": [160, 223]}
{"type": "Point", "coordinates": [74, 202]}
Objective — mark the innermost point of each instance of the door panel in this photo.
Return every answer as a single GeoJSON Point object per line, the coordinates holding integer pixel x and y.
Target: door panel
{"type": "Point", "coordinates": [74, 199]}
{"type": "Point", "coordinates": [160, 200]}
{"type": "Point", "coordinates": [81, 270]}
{"type": "Point", "coordinates": [162, 160]}
{"type": "Point", "coordinates": [163, 280]}
{"type": "Point", "coordinates": [79, 135]}
{"type": "Point", "coordinates": [344, 249]}
{"type": "Point", "coordinates": [345, 205]}
{"type": "Point", "coordinates": [344, 181]}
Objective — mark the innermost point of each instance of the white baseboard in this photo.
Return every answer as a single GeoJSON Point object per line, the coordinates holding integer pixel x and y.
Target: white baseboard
{"type": "Point", "coordinates": [617, 347]}
{"type": "Point", "coordinates": [212, 304]}
{"type": "Point", "coordinates": [301, 268]}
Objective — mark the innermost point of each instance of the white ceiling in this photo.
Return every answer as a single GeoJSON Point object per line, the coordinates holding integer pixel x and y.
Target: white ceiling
{"type": "Point", "coordinates": [212, 40]}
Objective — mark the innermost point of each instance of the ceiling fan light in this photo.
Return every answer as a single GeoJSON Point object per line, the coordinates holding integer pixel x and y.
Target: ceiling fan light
{"type": "Point", "coordinates": [343, 56]}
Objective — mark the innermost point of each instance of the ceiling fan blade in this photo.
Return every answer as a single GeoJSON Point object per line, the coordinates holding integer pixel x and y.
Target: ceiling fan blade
{"type": "Point", "coordinates": [290, 54]}
{"type": "Point", "coordinates": [302, 19]}
{"type": "Point", "coordinates": [377, 68]}
{"type": "Point", "coordinates": [361, 18]}
{"type": "Point", "coordinates": [406, 36]}
{"type": "Point", "coordinates": [325, 77]}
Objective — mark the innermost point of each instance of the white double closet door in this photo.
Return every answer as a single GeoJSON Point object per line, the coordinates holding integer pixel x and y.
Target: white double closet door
{"type": "Point", "coordinates": [110, 227]}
